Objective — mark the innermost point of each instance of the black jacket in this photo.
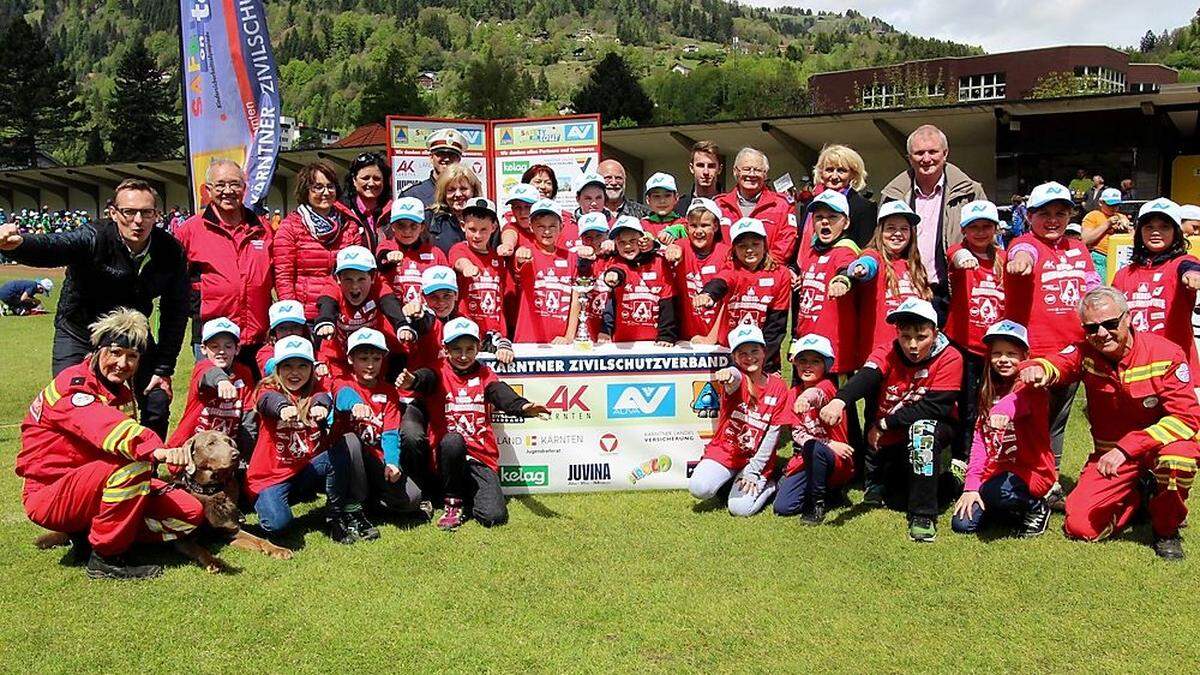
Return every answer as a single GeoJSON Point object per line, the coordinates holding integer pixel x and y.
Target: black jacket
{"type": "Point", "coordinates": [102, 276]}
{"type": "Point", "coordinates": [862, 218]}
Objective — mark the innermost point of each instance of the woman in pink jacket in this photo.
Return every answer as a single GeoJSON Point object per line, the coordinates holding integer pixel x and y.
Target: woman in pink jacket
{"type": "Point", "coordinates": [305, 247]}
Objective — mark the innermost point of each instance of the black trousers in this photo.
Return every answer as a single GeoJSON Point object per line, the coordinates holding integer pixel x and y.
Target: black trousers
{"type": "Point", "coordinates": [476, 484]}
{"type": "Point", "coordinates": [155, 409]}
{"type": "Point", "coordinates": [968, 403]}
{"type": "Point", "coordinates": [415, 454]}
{"type": "Point", "coordinates": [909, 472]}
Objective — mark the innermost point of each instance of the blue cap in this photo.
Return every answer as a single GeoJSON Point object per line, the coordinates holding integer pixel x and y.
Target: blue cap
{"type": "Point", "coordinates": [1049, 192]}
{"type": "Point", "coordinates": [523, 192]}
{"type": "Point", "coordinates": [355, 258]}
{"type": "Point", "coordinates": [747, 226]}
{"type": "Point", "coordinates": [897, 208]}
{"type": "Point", "coordinates": [593, 222]}
{"type": "Point", "coordinates": [438, 278]}
{"type": "Point", "coordinates": [408, 208]}
{"type": "Point", "coordinates": [286, 311]}
{"type": "Point", "coordinates": [1007, 329]}
{"type": "Point", "coordinates": [626, 223]}
{"type": "Point", "coordinates": [366, 337]}
{"type": "Point", "coordinates": [1110, 196]}
{"type": "Point", "coordinates": [460, 327]}
{"type": "Point", "coordinates": [745, 333]}
{"type": "Point", "coordinates": [293, 347]}
{"type": "Point", "coordinates": [831, 199]}
{"type": "Point", "coordinates": [218, 326]}
{"type": "Point", "coordinates": [980, 209]}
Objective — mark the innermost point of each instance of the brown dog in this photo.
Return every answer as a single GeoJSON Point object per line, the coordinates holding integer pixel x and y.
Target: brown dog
{"type": "Point", "coordinates": [212, 479]}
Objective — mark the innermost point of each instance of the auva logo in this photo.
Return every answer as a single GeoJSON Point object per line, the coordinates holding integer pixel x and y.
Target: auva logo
{"type": "Point", "coordinates": [655, 399]}
{"type": "Point", "coordinates": [473, 136]}
{"type": "Point", "coordinates": [579, 132]}
{"type": "Point", "coordinates": [524, 476]}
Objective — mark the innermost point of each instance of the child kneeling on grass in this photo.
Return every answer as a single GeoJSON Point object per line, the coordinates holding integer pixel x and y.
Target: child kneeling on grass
{"type": "Point", "coordinates": [822, 458]}
{"type": "Point", "coordinates": [221, 390]}
{"type": "Point", "coordinates": [754, 409]}
{"type": "Point", "coordinates": [1012, 461]}
{"type": "Point", "coordinates": [460, 396]}
{"type": "Point", "coordinates": [917, 378]}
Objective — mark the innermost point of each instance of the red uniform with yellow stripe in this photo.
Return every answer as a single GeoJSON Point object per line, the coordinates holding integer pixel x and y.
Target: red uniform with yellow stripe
{"type": "Point", "coordinates": [1145, 406]}
{"type": "Point", "coordinates": [86, 465]}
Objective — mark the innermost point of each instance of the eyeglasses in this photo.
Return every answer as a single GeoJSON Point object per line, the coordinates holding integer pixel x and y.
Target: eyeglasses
{"type": "Point", "coordinates": [751, 170]}
{"type": "Point", "coordinates": [146, 214]}
{"type": "Point", "coordinates": [323, 187]}
{"type": "Point", "coordinates": [227, 186]}
{"type": "Point", "coordinates": [1111, 325]}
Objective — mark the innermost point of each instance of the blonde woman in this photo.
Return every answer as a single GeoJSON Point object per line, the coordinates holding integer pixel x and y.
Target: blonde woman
{"type": "Point", "coordinates": [456, 185]}
{"type": "Point", "coordinates": [841, 168]}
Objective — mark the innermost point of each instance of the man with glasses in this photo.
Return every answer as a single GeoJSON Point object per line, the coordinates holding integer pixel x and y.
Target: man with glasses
{"type": "Point", "coordinates": [125, 261]}
{"type": "Point", "coordinates": [1143, 415]}
{"type": "Point", "coordinates": [229, 261]}
{"type": "Point", "coordinates": [751, 198]}
{"type": "Point", "coordinates": [446, 147]}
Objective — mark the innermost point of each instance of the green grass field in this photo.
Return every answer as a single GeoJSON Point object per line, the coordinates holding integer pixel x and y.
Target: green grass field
{"type": "Point", "coordinates": [603, 582]}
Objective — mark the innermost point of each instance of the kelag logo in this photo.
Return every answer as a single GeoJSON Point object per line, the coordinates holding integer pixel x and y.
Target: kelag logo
{"type": "Point", "coordinates": [525, 476]}
{"type": "Point", "coordinates": [626, 401]}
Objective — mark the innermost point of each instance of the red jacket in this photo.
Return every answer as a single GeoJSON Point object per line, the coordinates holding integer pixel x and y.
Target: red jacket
{"type": "Point", "coordinates": [1139, 404]}
{"type": "Point", "coordinates": [1045, 300]}
{"type": "Point", "coordinates": [205, 411]}
{"type": "Point", "coordinates": [778, 218]}
{"type": "Point", "coordinates": [834, 318]}
{"type": "Point", "coordinates": [303, 265]}
{"type": "Point", "coordinates": [230, 270]}
{"type": "Point", "coordinates": [76, 419]}
{"type": "Point", "coordinates": [976, 301]}
{"type": "Point", "coordinates": [1160, 303]}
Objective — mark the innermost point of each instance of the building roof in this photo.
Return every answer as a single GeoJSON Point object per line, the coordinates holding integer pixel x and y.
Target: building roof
{"type": "Point", "coordinates": [968, 58]}
{"type": "Point", "coordinates": [374, 133]}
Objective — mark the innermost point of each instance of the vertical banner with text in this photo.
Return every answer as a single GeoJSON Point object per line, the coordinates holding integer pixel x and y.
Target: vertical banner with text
{"type": "Point", "coordinates": [570, 146]}
{"type": "Point", "coordinates": [231, 89]}
{"type": "Point", "coordinates": [409, 155]}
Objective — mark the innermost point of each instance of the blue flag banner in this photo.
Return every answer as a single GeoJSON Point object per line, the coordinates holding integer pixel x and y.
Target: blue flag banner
{"type": "Point", "coordinates": [231, 86]}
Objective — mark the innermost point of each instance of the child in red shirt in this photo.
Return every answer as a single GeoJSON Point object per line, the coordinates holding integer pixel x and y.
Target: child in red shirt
{"type": "Point", "coordinates": [697, 260]}
{"type": "Point", "coordinates": [287, 319]}
{"type": "Point", "coordinates": [754, 410]}
{"type": "Point", "coordinates": [756, 290]}
{"type": "Point", "coordinates": [364, 300]}
{"type": "Point", "coordinates": [221, 390]}
{"type": "Point", "coordinates": [548, 305]}
{"type": "Point", "coordinates": [916, 379]}
{"type": "Point", "coordinates": [1012, 462]}
{"type": "Point", "coordinates": [642, 300]}
{"type": "Point", "coordinates": [822, 458]}
{"type": "Point", "coordinates": [484, 279]}
{"type": "Point", "coordinates": [822, 306]}
{"type": "Point", "coordinates": [408, 251]}
{"type": "Point", "coordinates": [461, 395]}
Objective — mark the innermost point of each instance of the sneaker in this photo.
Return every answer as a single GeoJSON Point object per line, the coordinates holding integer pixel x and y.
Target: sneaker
{"type": "Point", "coordinates": [814, 514]}
{"type": "Point", "coordinates": [1169, 548]}
{"type": "Point", "coordinates": [922, 529]}
{"type": "Point", "coordinates": [454, 516]}
{"type": "Point", "coordinates": [873, 496]}
{"type": "Point", "coordinates": [361, 526]}
{"type": "Point", "coordinates": [115, 567]}
{"type": "Point", "coordinates": [958, 469]}
{"type": "Point", "coordinates": [1056, 499]}
{"type": "Point", "coordinates": [341, 529]}
{"type": "Point", "coordinates": [426, 509]}
{"type": "Point", "coordinates": [1037, 518]}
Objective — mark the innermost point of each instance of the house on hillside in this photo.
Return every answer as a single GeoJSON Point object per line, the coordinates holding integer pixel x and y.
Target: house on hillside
{"type": "Point", "coordinates": [427, 80]}
{"type": "Point", "coordinates": [681, 69]}
{"type": "Point", "coordinates": [567, 109]}
{"type": "Point", "coordinates": [691, 48]}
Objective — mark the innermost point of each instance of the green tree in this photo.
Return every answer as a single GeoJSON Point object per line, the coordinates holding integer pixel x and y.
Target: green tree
{"type": "Point", "coordinates": [491, 87]}
{"type": "Point", "coordinates": [391, 91]}
{"type": "Point", "coordinates": [612, 90]}
{"type": "Point", "coordinates": [95, 152]}
{"type": "Point", "coordinates": [142, 109]}
{"type": "Point", "coordinates": [39, 106]}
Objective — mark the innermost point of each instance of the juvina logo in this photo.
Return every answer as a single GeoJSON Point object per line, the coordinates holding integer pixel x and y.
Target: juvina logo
{"type": "Point", "coordinates": [589, 473]}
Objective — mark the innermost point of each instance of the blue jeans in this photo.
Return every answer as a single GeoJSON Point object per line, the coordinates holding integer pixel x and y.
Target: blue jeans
{"type": "Point", "coordinates": [808, 484]}
{"type": "Point", "coordinates": [274, 504]}
{"type": "Point", "coordinates": [1004, 495]}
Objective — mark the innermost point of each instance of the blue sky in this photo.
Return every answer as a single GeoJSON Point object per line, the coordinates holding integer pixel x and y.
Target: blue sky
{"type": "Point", "coordinates": [1004, 25]}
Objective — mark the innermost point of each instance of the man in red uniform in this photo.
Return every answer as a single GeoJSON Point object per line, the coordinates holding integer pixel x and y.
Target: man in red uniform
{"type": "Point", "coordinates": [87, 463]}
{"type": "Point", "coordinates": [1143, 414]}
{"type": "Point", "coordinates": [750, 198]}
{"type": "Point", "coordinates": [229, 261]}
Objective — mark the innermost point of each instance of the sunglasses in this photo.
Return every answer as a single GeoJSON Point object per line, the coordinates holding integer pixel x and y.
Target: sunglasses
{"type": "Point", "coordinates": [1111, 325]}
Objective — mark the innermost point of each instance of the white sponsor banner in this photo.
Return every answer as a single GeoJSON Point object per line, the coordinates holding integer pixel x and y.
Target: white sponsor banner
{"type": "Point", "coordinates": [630, 416]}
{"type": "Point", "coordinates": [570, 146]}
{"type": "Point", "coordinates": [409, 154]}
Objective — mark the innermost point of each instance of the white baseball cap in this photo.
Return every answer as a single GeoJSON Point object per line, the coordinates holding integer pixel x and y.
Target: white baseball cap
{"type": "Point", "coordinates": [897, 208]}
{"type": "Point", "coordinates": [438, 278]}
{"type": "Point", "coordinates": [408, 208]}
{"type": "Point", "coordinates": [812, 343]}
{"type": "Point", "coordinates": [913, 307]}
{"type": "Point", "coordinates": [354, 258]}
{"type": "Point", "coordinates": [545, 206]}
{"type": "Point", "coordinates": [1007, 329]}
{"type": "Point", "coordinates": [460, 327]}
{"type": "Point", "coordinates": [1161, 205]}
{"type": "Point", "coordinates": [447, 139]}
{"type": "Point", "coordinates": [833, 200]}
{"type": "Point", "coordinates": [705, 204]}
{"type": "Point", "coordinates": [626, 223]}
{"type": "Point", "coordinates": [366, 337]}
{"type": "Point", "coordinates": [215, 327]}
{"type": "Point", "coordinates": [661, 181]}
{"type": "Point", "coordinates": [593, 222]}
{"type": "Point", "coordinates": [588, 179]}
{"type": "Point", "coordinates": [47, 284]}
{"type": "Point", "coordinates": [286, 311]}
{"type": "Point", "coordinates": [980, 209]}
{"type": "Point", "coordinates": [1074, 228]}
{"type": "Point", "coordinates": [747, 226]}
{"type": "Point", "coordinates": [1189, 212]}
{"type": "Point", "coordinates": [293, 347]}
{"type": "Point", "coordinates": [1049, 192]}
{"type": "Point", "coordinates": [481, 205]}
{"type": "Point", "coordinates": [744, 334]}
{"type": "Point", "coordinates": [523, 192]}
{"type": "Point", "coordinates": [1110, 196]}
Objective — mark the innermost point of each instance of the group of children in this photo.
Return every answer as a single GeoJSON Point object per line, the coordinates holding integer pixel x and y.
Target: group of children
{"type": "Point", "coordinates": [391, 408]}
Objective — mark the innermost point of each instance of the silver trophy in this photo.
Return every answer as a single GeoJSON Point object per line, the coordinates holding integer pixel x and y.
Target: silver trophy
{"type": "Point", "coordinates": [584, 286]}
